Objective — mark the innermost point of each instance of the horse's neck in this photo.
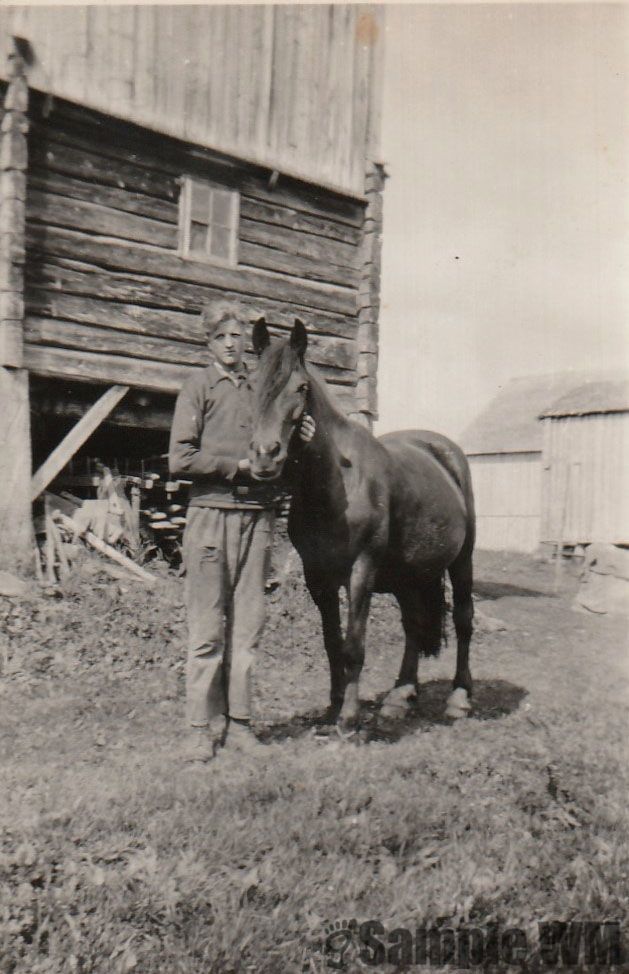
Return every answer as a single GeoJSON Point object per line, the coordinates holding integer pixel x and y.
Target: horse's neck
{"type": "Point", "coordinates": [320, 462]}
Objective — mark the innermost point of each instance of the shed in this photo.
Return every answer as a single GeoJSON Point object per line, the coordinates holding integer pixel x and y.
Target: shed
{"type": "Point", "coordinates": [153, 158]}
{"type": "Point", "coordinates": [504, 447]}
{"type": "Point", "coordinates": [586, 465]}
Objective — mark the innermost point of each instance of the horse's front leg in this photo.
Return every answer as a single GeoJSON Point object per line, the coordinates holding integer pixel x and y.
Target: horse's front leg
{"type": "Point", "coordinates": [326, 598]}
{"type": "Point", "coordinates": [359, 592]}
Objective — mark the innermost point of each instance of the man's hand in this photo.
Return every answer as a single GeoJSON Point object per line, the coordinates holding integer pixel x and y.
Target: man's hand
{"type": "Point", "coordinates": [307, 429]}
{"type": "Point", "coordinates": [244, 466]}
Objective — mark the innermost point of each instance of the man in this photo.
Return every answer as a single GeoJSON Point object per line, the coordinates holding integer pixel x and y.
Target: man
{"type": "Point", "coordinates": [227, 540]}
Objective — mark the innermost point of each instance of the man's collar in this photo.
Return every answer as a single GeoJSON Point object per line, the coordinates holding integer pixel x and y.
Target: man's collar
{"type": "Point", "coordinates": [236, 377]}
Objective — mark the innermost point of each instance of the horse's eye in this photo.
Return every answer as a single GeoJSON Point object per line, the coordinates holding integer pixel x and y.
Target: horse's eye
{"type": "Point", "coordinates": [303, 387]}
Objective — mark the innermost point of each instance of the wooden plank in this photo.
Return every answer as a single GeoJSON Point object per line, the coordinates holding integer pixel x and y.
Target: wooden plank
{"type": "Point", "coordinates": [85, 366]}
{"type": "Point", "coordinates": [61, 211]}
{"type": "Point", "coordinates": [118, 255]}
{"type": "Point", "coordinates": [88, 164]}
{"type": "Point", "coordinates": [280, 214]}
{"type": "Point", "coordinates": [159, 304]}
{"type": "Point", "coordinates": [293, 241]}
{"type": "Point", "coordinates": [70, 334]}
{"type": "Point", "coordinates": [75, 439]}
{"type": "Point", "coordinates": [67, 290]}
{"type": "Point", "coordinates": [112, 196]}
{"type": "Point", "coordinates": [327, 353]}
{"type": "Point", "coordinates": [306, 268]}
{"type": "Point", "coordinates": [105, 549]}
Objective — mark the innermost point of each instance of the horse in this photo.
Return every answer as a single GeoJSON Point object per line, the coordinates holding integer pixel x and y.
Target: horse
{"type": "Point", "coordinates": [387, 514]}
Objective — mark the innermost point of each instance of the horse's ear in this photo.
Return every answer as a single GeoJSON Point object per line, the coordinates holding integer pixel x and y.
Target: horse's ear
{"type": "Point", "coordinates": [260, 336]}
{"type": "Point", "coordinates": [299, 338]}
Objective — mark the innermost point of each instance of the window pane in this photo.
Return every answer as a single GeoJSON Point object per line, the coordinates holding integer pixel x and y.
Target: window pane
{"type": "Point", "coordinates": [220, 243]}
{"type": "Point", "coordinates": [200, 201]}
{"type": "Point", "coordinates": [198, 237]}
{"type": "Point", "coordinates": [221, 208]}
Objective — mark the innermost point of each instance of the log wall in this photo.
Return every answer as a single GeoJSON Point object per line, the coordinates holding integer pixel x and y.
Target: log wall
{"type": "Point", "coordinates": [109, 299]}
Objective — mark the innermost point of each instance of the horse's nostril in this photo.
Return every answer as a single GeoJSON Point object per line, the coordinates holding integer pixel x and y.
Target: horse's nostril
{"type": "Point", "coordinates": [274, 449]}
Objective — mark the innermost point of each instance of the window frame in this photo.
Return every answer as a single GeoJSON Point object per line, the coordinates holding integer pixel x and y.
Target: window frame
{"type": "Point", "coordinates": [186, 221]}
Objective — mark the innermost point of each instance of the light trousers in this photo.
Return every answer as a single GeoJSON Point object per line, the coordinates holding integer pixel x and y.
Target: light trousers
{"type": "Point", "coordinates": [225, 554]}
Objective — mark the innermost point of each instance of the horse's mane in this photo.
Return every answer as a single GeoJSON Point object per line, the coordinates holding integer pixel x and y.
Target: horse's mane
{"type": "Point", "coordinates": [275, 370]}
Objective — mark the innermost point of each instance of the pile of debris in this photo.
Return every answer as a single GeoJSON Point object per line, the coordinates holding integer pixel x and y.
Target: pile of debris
{"type": "Point", "coordinates": [113, 523]}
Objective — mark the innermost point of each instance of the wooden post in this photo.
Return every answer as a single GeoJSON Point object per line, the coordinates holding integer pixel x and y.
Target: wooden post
{"type": "Point", "coordinates": [15, 441]}
{"type": "Point", "coordinates": [369, 299]}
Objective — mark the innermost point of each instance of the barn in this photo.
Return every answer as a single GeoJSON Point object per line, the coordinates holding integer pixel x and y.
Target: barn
{"type": "Point", "coordinates": [585, 495]}
{"type": "Point", "coordinates": [504, 447]}
{"type": "Point", "coordinates": [155, 158]}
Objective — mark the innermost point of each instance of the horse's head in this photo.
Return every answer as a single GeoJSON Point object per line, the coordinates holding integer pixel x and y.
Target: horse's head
{"type": "Point", "coordinates": [281, 394]}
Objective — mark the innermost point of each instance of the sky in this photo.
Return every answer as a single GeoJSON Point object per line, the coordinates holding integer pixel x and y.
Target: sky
{"type": "Point", "coordinates": [506, 217]}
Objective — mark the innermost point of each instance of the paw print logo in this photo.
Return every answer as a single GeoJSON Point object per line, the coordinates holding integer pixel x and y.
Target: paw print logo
{"type": "Point", "coordinates": [338, 937]}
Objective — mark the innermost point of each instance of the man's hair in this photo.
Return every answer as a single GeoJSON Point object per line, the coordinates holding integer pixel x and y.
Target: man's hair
{"type": "Point", "coordinates": [214, 313]}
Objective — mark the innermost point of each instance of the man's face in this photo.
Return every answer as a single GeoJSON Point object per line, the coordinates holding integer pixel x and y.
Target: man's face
{"type": "Point", "coordinates": [227, 344]}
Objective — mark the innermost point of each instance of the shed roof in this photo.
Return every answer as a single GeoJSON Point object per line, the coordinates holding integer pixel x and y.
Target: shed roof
{"type": "Point", "coordinates": [510, 423]}
{"type": "Point", "coordinates": [597, 396]}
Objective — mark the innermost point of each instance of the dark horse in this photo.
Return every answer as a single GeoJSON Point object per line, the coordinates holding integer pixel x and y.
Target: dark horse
{"type": "Point", "coordinates": [373, 515]}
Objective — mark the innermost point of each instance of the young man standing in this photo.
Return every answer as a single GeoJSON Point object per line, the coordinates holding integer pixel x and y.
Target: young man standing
{"type": "Point", "coordinates": [228, 535]}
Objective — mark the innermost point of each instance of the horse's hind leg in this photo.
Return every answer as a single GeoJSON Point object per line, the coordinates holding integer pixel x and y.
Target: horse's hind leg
{"type": "Point", "coordinates": [421, 609]}
{"type": "Point", "coordinates": [463, 613]}
{"type": "Point", "coordinates": [326, 598]}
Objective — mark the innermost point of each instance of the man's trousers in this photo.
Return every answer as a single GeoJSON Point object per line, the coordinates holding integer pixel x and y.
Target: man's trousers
{"type": "Point", "coordinates": [225, 554]}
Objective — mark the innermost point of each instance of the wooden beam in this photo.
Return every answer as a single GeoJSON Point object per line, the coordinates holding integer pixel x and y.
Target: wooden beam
{"type": "Point", "coordinates": [75, 439]}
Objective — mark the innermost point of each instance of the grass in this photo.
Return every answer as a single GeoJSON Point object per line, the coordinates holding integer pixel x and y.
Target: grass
{"type": "Point", "coordinates": [115, 857]}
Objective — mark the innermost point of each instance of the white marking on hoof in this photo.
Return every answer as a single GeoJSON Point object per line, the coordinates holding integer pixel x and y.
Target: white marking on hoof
{"type": "Point", "coordinates": [397, 702]}
{"type": "Point", "coordinates": [458, 704]}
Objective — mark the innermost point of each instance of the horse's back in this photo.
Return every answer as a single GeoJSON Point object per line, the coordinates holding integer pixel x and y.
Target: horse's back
{"type": "Point", "coordinates": [445, 451]}
{"type": "Point", "coordinates": [431, 501]}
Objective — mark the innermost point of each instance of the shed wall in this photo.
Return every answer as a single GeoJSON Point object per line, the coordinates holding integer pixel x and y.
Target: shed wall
{"type": "Point", "coordinates": [108, 298]}
{"type": "Point", "coordinates": [586, 479]}
{"type": "Point", "coordinates": [295, 87]}
{"type": "Point", "coordinates": [507, 492]}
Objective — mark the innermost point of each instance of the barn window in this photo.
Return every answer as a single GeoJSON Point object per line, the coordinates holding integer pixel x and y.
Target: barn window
{"type": "Point", "coordinates": [208, 222]}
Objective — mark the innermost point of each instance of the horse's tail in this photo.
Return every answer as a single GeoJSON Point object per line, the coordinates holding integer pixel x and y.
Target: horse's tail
{"type": "Point", "coordinates": [436, 614]}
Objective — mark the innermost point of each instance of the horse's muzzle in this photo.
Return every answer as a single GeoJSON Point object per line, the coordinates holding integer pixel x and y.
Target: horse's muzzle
{"type": "Point", "coordinates": [266, 463]}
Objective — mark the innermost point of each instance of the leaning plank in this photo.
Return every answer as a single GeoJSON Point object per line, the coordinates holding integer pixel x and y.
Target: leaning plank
{"type": "Point", "coordinates": [75, 439]}
{"type": "Point", "coordinates": [107, 550]}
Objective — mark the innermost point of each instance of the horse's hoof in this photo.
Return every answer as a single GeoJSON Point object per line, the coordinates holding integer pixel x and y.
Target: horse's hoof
{"type": "Point", "coordinates": [398, 702]}
{"type": "Point", "coordinates": [458, 704]}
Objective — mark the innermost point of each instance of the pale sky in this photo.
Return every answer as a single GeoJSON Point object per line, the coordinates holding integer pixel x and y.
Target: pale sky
{"type": "Point", "coordinates": [506, 234]}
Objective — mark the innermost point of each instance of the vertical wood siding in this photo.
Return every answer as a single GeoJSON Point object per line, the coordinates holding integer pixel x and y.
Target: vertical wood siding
{"type": "Point", "coordinates": [507, 492]}
{"type": "Point", "coordinates": [586, 479]}
{"type": "Point", "coordinates": [294, 87]}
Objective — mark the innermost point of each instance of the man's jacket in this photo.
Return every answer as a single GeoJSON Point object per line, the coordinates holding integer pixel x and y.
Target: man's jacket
{"type": "Point", "coordinates": [211, 432]}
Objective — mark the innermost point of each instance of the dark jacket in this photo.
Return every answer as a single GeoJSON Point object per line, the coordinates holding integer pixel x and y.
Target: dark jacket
{"type": "Point", "coordinates": [210, 433]}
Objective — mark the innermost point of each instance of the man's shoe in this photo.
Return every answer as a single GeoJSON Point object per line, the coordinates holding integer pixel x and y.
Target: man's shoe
{"type": "Point", "coordinates": [200, 747]}
{"type": "Point", "coordinates": [241, 738]}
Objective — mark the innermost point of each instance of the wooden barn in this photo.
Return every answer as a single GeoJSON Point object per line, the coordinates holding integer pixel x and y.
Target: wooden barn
{"type": "Point", "coordinates": [586, 465]}
{"type": "Point", "coordinates": [155, 158]}
{"type": "Point", "coordinates": [504, 445]}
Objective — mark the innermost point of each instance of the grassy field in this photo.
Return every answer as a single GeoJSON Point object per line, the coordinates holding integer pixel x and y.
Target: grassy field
{"type": "Point", "coordinates": [116, 857]}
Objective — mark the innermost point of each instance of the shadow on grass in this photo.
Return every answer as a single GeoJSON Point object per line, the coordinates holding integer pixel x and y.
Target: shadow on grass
{"type": "Point", "coordinates": [489, 589]}
{"type": "Point", "coordinates": [492, 700]}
